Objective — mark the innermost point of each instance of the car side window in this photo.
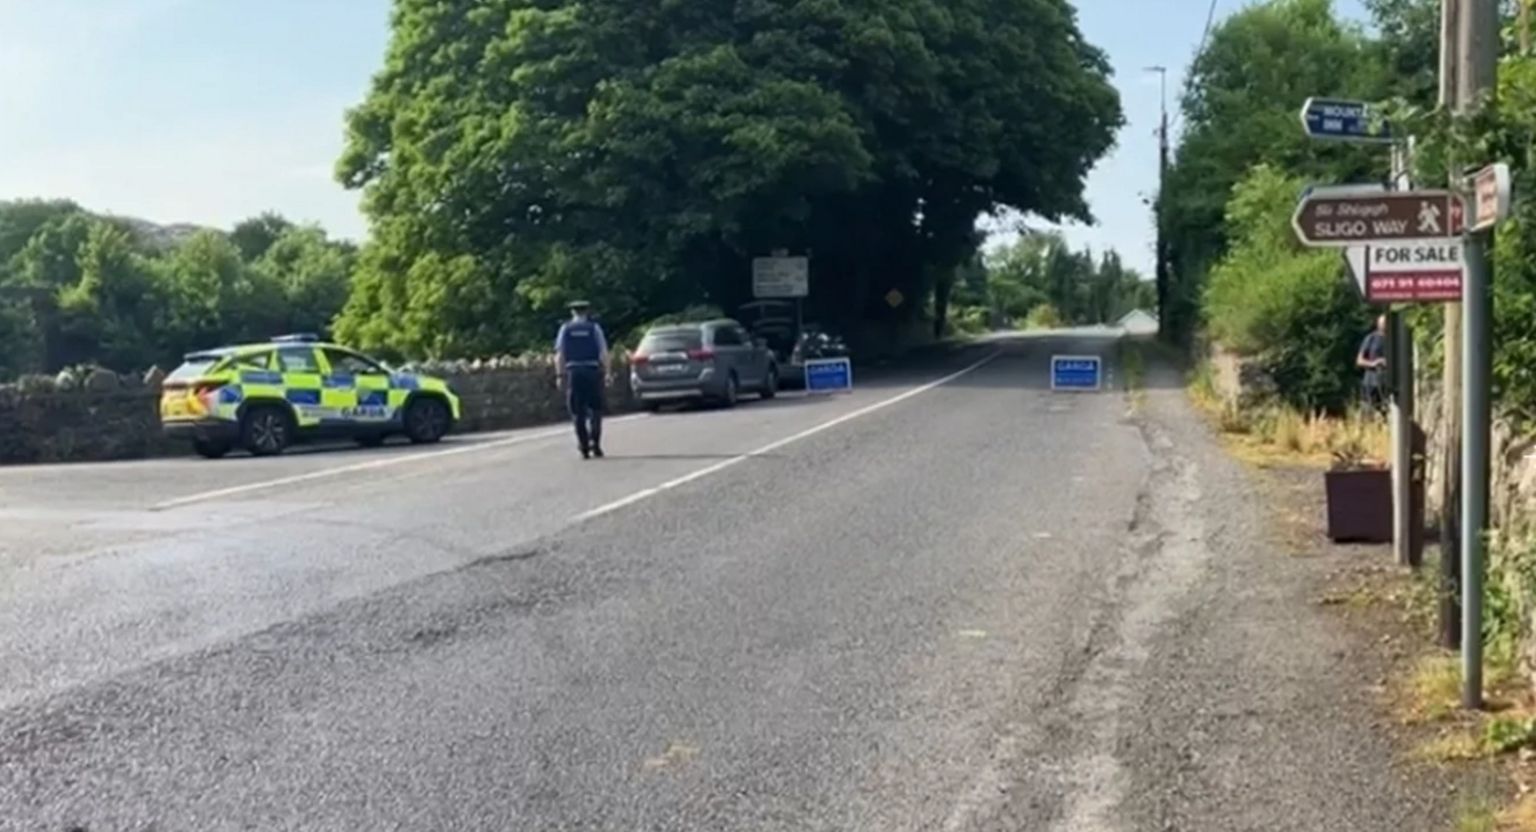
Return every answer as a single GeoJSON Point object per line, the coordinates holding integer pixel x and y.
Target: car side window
{"type": "Point", "coordinates": [727, 336]}
{"type": "Point", "coordinates": [350, 363]}
{"type": "Point", "coordinates": [297, 360]}
{"type": "Point", "coordinates": [253, 361]}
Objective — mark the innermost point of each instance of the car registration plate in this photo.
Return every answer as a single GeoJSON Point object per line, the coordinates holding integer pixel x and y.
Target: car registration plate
{"type": "Point", "coordinates": [175, 407]}
{"type": "Point", "coordinates": [671, 369]}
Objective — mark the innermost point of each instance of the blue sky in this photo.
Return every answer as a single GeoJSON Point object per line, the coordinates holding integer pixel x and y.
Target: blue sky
{"type": "Point", "coordinates": [210, 111]}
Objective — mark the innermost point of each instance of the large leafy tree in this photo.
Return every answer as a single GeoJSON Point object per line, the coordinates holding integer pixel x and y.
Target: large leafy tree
{"type": "Point", "coordinates": [1240, 109]}
{"type": "Point", "coordinates": [514, 153]}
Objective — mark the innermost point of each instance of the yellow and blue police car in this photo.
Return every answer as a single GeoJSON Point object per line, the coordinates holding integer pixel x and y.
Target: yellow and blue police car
{"type": "Point", "coordinates": [264, 397]}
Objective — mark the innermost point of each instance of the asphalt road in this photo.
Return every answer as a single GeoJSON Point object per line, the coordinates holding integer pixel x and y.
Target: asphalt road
{"type": "Point", "coordinates": [951, 601]}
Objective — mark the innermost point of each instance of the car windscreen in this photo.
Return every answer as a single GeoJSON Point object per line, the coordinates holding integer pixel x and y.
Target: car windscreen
{"type": "Point", "coordinates": [672, 340]}
{"type": "Point", "coordinates": [195, 366]}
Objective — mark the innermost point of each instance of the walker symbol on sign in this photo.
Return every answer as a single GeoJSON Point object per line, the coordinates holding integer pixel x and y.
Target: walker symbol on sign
{"type": "Point", "coordinates": [1429, 219]}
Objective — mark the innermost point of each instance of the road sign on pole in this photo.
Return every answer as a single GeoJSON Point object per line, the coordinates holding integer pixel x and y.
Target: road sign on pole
{"type": "Point", "coordinates": [1490, 196]}
{"type": "Point", "coordinates": [1331, 118]}
{"type": "Point", "coordinates": [1340, 221]}
{"type": "Point", "coordinates": [781, 277]}
{"type": "Point", "coordinates": [1414, 271]}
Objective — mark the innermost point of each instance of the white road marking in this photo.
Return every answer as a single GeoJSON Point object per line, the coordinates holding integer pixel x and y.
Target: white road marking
{"type": "Point", "coordinates": [773, 446]}
{"type": "Point", "coordinates": [370, 465]}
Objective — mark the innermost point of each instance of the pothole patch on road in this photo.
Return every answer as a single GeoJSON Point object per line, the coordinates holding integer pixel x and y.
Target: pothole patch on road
{"type": "Point", "coordinates": [677, 753]}
{"type": "Point", "coordinates": [525, 553]}
{"type": "Point", "coordinates": [428, 636]}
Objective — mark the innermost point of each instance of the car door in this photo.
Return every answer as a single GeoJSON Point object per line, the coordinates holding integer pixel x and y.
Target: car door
{"type": "Point", "coordinates": [730, 351]}
{"type": "Point", "coordinates": [754, 357]}
{"type": "Point", "coordinates": [356, 387]}
{"type": "Point", "coordinates": [302, 384]}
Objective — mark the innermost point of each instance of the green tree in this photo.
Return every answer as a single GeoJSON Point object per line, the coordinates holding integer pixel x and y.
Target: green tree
{"type": "Point", "coordinates": [1409, 46]}
{"type": "Point", "coordinates": [515, 154]}
{"type": "Point", "coordinates": [1239, 110]}
{"type": "Point", "coordinates": [107, 316]}
{"type": "Point", "coordinates": [254, 236]}
{"type": "Point", "coordinates": [1292, 308]}
{"type": "Point", "coordinates": [20, 220]}
{"type": "Point", "coordinates": [303, 277]}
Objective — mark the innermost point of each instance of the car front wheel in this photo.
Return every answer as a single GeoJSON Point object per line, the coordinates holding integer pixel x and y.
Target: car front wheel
{"type": "Point", "coordinates": [426, 421]}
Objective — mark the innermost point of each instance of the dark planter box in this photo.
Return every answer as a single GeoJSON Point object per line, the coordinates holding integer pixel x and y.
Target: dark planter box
{"type": "Point", "coordinates": [1359, 506]}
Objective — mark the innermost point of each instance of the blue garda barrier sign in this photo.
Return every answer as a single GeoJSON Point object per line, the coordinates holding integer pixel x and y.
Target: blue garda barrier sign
{"type": "Point", "coordinates": [1077, 372]}
{"type": "Point", "coordinates": [829, 375]}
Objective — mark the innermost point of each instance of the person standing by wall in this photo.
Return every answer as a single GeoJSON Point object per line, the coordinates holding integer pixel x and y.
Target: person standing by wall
{"type": "Point", "coordinates": [1372, 361]}
{"type": "Point", "coordinates": [581, 369]}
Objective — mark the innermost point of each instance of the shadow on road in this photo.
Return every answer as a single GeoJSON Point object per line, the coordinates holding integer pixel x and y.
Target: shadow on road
{"type": "Point", "coordinates": [664, 457]}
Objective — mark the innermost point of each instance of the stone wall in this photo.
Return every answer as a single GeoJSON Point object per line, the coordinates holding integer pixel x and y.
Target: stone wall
{"type": "Point", "coordinates": [1238, 379]}
{"type": "Point", "coordinates": [1512, 494]}
{"type": "Point", "coordinates": [109, 417]}
{"type": "Point", "coordinates": [55, 426]}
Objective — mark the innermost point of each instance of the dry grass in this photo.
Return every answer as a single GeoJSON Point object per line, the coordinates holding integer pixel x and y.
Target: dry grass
{"type": "Point", "coordinates": [1484, 815]}
{"type": "Point", "coordinates": [1521, 817]}
{"type": "Point", "coordinates": [1451, 747]}
{"type": "Point", "coordinates": [1479, 815]}
{"type": "Point", "coordinates": [1433, 691]}
{"type": "Point", "coordinates": [1275, 435]}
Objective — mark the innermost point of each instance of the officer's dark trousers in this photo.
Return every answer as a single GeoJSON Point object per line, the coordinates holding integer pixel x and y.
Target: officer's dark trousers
{"type": "Point", "coordinates": [584, 397]}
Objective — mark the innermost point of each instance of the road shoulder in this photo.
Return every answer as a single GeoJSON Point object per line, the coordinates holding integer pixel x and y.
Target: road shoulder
{"type": "Point", "coordinates": [1258, 707]}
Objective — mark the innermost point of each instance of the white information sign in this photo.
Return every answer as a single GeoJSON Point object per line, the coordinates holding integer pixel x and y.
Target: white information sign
{"type": "Point", "coordinates": [781, 277]}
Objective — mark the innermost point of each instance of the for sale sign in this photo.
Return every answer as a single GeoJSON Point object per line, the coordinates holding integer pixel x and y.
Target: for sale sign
{"type": "Point", "coordinates": [1414, 270]}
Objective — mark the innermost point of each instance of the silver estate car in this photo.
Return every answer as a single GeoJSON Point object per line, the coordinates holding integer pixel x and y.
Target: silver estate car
{"type": "Point", "coordinates": [711, 361]}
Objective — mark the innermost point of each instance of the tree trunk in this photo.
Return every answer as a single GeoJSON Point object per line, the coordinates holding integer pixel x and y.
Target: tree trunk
{"type": "Point", "coordinates": [941, 292]}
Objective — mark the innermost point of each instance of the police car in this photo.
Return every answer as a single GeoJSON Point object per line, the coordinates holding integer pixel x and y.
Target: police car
{"type": "Point", "coordinates": [264, 397]}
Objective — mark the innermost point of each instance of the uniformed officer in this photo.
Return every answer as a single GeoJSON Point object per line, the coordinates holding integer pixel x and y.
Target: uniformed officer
{"type": "Point", "coordinates": [581, 367]}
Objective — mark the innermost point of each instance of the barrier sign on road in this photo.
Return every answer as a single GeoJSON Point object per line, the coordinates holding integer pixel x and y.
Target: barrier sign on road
{"type": "Point", "coordinates": [781, 277]}
{"type": "Point", "coordinates": [1324, 219]}
{"type": "Point", "coordinates": [1077, 372]}
{"type": "Point", "coordinates": [1414, 270]}
{"type": "Point", "coordinates": [1330, 118]}
{"type": "Point", "coordinates": [829, 375]}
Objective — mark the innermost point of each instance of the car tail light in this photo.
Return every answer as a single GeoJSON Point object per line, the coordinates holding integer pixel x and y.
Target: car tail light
{"type": "Point", "coordinates": [701, 355]}
{"type": "Point", "coordinates": [207, 391]}
{"type": "Point", "coordinates": [639, 359]}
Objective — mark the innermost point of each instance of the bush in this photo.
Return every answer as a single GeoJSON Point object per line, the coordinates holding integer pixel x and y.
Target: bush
{"type": "Point", "coordinates": [1045, 316]}
{"type": "Point", "coordinates": [1292, 309]}
{"type": "Point", "coordinates": [969, 320]}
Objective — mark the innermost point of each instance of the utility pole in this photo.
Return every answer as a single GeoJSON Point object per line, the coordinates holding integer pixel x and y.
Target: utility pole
{"type": "Point", "coordinates": [1162, 181]}
{"type": "Point", "coordinates": [1478, 30]}
{"type": "Point", "coordinates": [1407, 515]}
{"type": "Point", "coordinates": [1450, 405]}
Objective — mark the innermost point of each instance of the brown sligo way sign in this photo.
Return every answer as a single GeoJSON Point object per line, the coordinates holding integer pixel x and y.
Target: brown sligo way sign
{"type": "Point", "coordinates": [1341, 220]}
